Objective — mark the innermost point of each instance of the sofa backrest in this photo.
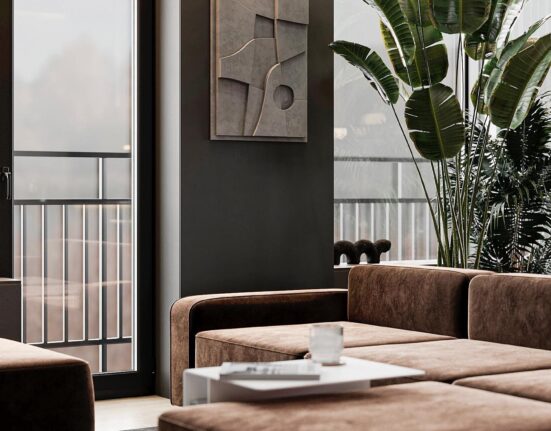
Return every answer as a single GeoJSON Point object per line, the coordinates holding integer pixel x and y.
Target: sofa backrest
{"type": "Point", "coordinates": [417, 298]}
{"type": "Point", "coordinates": [511, 309]}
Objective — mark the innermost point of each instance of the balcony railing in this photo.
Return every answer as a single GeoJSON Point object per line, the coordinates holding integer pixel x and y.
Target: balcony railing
{"type": "Point", "coordinates": [403, 220]}
{"type": "Point", "coordinates": [74, 259]}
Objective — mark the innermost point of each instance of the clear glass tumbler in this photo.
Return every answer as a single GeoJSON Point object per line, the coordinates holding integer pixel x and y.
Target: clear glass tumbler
{"type": "Point", "coordinates": [326, 343]}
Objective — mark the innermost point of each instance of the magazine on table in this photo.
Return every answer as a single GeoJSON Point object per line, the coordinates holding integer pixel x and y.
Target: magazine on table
{"type": "Point", "coordinates": [269, 371]}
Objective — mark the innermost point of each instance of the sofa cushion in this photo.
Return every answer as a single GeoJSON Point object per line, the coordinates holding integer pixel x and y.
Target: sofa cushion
{"type": "Point", "coordinates": [528, 384]}
{"type": "Point", "coordinates": [427, 406]}
{"type": "Point", "coordinates": [450, 360]}
{"type": "Point", "coordinates": [194, 314]}
{"type": "Point", "coordinates": [284, 342]}
{"type": "Point", "coordinates": [511, 309]}
{"type": "Point", "coordinates": [44, 390]}
{"type": "Point", "coordinates": [426, 299]}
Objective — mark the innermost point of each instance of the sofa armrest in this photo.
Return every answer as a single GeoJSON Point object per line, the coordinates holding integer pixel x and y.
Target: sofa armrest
{"type": "Point", "coordinates": [195, 314]}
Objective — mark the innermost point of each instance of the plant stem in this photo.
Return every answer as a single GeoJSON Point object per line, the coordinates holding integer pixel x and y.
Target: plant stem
{"type": "Point", "coordinates": [470, 155]}
{"type": "Point", "coordinates": [486, 222]}
{"type": "Point", "coordinates": [443, 218]}
{"type": "Point", "coordinates": [442, 204]}
{"type": "Point", "coordinates": [457, 239]}
{"type": "Point", "coordinates": [425, 191]}
{"type": "Point", "coordinates": [476, 187]}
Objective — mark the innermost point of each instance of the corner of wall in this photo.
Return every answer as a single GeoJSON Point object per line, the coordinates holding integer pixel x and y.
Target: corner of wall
{"type": "Point", "coordinates": [167, 182]}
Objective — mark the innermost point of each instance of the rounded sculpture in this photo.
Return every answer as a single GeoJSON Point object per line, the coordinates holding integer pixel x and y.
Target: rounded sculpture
{"type": "Point", "coordinates": [370, 250]}
{"type": "Point", "coordinates": [354, 251]}
{"type": "Point", "coordinates": [383, 245]}
{"type": "Point", "coordinates": [349, 250]}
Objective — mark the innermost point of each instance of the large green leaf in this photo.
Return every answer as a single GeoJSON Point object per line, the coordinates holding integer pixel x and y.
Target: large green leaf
{"type": "Point", "coordinates": [520, 83]}
{"type": "Point", "coordinates": [481, 43]}
{"type": "Point", "coordinates": [484, 40]}
{"type": "Point", "coordinates": [435, 54]}
{"type": "Point", "coordinates": [417, 12]}
{"type": "Point", "coordinates": [460, 16]}
{"type": "Point", "coordinates": [508, 52]}
{"type": "Point", "coordinates": [372, 67]}
{"type": "Point", "coordinates": [392, 15]}
{"type": "Point", "coordinates": [510, 16]}
{"type": "Point", "coordinates": [478, 93]}
{"type": "Point", "coordinates": [478, 48]}
{"type": "Point", "coordinates": [435, 122]}
{"type": "Point", "coordinates": [399, 63]}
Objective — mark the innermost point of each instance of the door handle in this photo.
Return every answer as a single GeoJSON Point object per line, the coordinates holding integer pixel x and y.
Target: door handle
{"type": "Point", "coordinates": [6, 178]}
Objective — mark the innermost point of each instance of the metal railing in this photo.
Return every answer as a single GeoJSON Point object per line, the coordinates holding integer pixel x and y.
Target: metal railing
{"type": "Point", "coordinates": [405, 221]}
{"type": "Point", "coordinates": [74, 259]}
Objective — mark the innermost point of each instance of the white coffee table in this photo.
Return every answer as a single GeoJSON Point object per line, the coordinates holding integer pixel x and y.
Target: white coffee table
{"type": "Point", "coordinates": [203, 385]}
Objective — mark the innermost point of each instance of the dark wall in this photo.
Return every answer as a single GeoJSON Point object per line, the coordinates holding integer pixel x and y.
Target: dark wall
{"type": "Point", "coordinates": [255, 216]}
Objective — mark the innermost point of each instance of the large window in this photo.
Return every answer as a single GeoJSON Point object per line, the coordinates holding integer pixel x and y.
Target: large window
{"type": "Point", "coordinates": [73, 145]}
{"type": "Point", "coordinates": [81, 155]}
{"type": "Point", "coordinates": [377, 192]}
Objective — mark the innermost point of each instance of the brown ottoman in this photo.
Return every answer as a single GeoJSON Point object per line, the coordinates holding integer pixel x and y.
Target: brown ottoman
{"type": "Point", "coordinates": [44, 390]}
{"type": "Point", "coordinates": [417, 406]}
{"type": "Point", "coordinates": [529, 384]}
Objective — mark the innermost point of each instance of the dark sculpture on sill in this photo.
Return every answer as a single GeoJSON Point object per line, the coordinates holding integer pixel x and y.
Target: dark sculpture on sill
{"type": "Point", "coordinates": [354, 252]}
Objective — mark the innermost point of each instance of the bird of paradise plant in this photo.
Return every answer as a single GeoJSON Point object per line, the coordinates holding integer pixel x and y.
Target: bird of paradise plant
{"type": "Point", "coordinates": [511, 72]}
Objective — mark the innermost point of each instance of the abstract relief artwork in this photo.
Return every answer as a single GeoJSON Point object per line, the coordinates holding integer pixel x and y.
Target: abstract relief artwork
{"type": "Point", "coordinates": [259, 70]}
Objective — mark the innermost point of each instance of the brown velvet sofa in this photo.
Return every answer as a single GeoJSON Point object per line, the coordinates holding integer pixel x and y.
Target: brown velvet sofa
{"type": "Point", "coordinates": [520, 306]}
{"type": "Point", "coordinates": [44, 390]}
{"type": "Point", "coordinates": [383, 305]}
{"type": "Point", "coordinates": [493, 342]}
{"type": "Point", "coordinates": [509, 331]}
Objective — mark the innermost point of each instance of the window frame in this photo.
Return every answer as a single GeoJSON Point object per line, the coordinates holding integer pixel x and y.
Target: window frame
{"type": "Point", "coordinates": [118, 384]}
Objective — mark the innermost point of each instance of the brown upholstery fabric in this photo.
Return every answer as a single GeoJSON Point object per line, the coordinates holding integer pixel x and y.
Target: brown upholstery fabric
{"type": "Point", "coordinates": [529, 384]}
{"type": "Point", "coordinates": [195, 314]}
{"type": "Point", "coordinates": [511, 309]}
{"type": "Point", "coordinates": [273, 343]}
{"type": "Point", "coordinates": [211, 353]}
{"type": "Point", "coordinates": [426, 406]}
{"type": "Point", "coordinates": [450, 360]}
{"type": "Point", "coordinates": [44, 390]}
{"type": "Point", "coordinates": [426, 299]}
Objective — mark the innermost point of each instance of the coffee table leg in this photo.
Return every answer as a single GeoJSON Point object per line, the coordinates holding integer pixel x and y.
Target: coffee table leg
{"type": "Point", "coordinates": [195, 389]}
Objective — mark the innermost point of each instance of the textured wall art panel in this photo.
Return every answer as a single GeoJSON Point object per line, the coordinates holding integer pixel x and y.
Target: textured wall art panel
{"type": "Point", "coordinates": [259, 88]}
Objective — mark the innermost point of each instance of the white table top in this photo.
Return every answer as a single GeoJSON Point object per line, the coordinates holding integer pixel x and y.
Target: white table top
{"type": "Point", "coordinates": [353, 371]}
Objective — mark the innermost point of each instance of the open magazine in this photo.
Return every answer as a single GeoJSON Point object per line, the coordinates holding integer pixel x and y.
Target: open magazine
{"type": "Point", "coordinates": [269, 371]}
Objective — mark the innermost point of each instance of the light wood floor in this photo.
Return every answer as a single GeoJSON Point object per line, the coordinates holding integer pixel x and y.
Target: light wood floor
{"type": "Point", "coordinates": [129, 413]}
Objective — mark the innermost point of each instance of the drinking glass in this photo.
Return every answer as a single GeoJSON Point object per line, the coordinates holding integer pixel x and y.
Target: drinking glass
{"type": "Point", "coordinates": [326, 343]}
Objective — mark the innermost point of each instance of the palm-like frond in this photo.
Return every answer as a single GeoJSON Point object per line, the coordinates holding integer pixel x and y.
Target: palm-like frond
{"type": "Point", "coordinates": [520, 206]}
{"type": "Point", "coordinates": [540, 260]}
{"type": "Point", "coordinates": [515, 230]}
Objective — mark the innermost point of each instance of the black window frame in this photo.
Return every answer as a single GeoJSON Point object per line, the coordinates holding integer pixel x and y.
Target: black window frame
{"type": "Point", "coordinates": [109, 385]}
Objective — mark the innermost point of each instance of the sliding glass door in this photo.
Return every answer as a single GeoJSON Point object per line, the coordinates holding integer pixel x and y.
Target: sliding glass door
{"type": "Point", "coordinates": [81, 190]}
